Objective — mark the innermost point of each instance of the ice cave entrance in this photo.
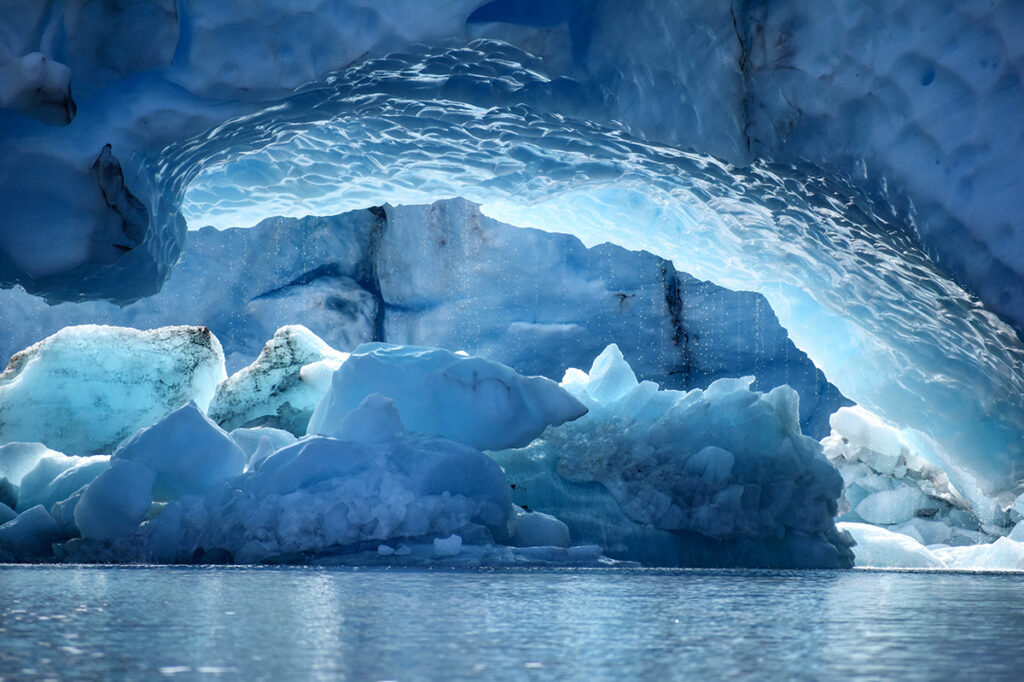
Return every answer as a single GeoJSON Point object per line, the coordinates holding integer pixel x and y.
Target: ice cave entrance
{"type": "Point", "coordinates": [840, 268]}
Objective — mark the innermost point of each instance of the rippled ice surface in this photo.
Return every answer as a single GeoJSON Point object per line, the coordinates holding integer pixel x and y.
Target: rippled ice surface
{"type": "Point", "coordinates": [842, 270]}
{"type": "Point", "coordinates": [304, 623]}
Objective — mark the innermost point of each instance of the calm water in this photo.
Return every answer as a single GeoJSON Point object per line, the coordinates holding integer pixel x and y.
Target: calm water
{"type": "Point", "coordinates": [300, 623]}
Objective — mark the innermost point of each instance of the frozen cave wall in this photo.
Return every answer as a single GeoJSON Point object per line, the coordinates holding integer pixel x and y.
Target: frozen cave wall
{"type": "Point", "coordinates": [444, 275]}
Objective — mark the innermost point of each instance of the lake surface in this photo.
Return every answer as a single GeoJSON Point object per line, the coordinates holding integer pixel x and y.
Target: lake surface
{"type": "Point", "coordinates": [378, 624]}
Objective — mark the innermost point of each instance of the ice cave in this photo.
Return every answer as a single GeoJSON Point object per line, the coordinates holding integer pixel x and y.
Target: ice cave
{"type": "Point", "coordinates": [513, 282]}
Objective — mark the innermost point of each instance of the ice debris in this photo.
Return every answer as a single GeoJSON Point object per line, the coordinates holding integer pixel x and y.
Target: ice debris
{"type": "Point", "coordinates": [888, 484]}
{"type": "Point", "coordinates": [721, 476]}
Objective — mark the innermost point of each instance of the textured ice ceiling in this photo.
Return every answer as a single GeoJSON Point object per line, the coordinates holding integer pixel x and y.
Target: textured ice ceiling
{"type": "Point", "coordinates": [853, 161]}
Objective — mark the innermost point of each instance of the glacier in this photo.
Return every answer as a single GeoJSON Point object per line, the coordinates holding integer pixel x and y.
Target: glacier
{"type": "Point", "coordinates": [824, 194]}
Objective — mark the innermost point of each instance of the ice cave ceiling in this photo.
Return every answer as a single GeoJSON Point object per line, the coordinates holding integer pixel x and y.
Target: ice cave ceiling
{"type": "Point", "coordinates": [854, 162]}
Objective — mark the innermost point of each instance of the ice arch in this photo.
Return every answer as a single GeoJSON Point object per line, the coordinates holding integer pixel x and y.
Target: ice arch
{"type": "Point", "coordinates": [856, 291]}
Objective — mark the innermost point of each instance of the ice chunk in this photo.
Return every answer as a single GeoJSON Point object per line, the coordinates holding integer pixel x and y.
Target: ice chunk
{"type": "Point", "coordinates": [880, 548]}
{"type": "Point", "coordinates": [6, 513]}
{"type": "Point", "coordinates": [8, 493]}
{"type": "Point", "coordinates": [282, 387]}
{"type": "Point", "coordinates": [610, 377]}
{"type": "Point", "coordinates": [322, 493]}
{"type": "Point", "coordinates": [262, 440]}
{"type": "Point", "coordinates": [1004, 554]}
{"type": "Point", "coordinates": [116, 502]}
{"type": "Point", "coordinates": [888, 482]}
{"type": "Point", "coordinates": [17, 459]}
{"type": "Point", "coordinates": [470, 400]}
{"type": "Point", "coordinates": [86, 388]}
{"type": "Point", "coordinates": [187, 451]}
{"type": "Point", "coordinates": [717, 477]}
{"type": "Point", "coordinates": [449, 546]}
{"type": "Point", "coordinates": [892, 506]}
{"type": "Point", "coordinates": [376, 420]}
{"type": "Point", "coordinates": [56, 478]}
{"type": "Point", "coordinates": [29, 537]}
{"type": "Point", "coordinates": [536, 529]}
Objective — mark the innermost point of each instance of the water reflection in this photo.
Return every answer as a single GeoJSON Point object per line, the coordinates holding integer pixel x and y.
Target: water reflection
{"type": "Point", "coordinates": [92, 622]}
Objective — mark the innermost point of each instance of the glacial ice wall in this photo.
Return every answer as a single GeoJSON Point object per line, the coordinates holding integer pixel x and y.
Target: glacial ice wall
{"type": "Point", "coordinates": [445, 275]}
{"type": "Point", "coordinates": [901, 122]}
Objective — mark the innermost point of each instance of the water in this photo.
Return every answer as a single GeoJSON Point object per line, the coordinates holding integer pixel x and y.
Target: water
{"type": "Point", "coordinates": [306, 623]}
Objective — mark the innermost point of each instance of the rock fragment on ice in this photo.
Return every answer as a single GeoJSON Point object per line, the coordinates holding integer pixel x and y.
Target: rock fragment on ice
{"type": "Point", "coordinates": [470, 400]}
{"type": "Point", "coordinates": [282, 387]}
{"type": "Point", "coordinates": [188, 453]}
{"type": "Point", "coordinates": [86, 388]}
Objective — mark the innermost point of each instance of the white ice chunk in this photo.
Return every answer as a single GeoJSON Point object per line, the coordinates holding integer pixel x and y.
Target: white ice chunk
{"type": "Point", "coordinates": [187, 451]}
{"type": "Point", "coordinates": [879, 548]}
{"type": "Point", "coordinates": [252, 440]}
{"type": "Point", "coordinates": [56, 478]}
{"type": "Point", "coordinates": [86, 388]}
{"type": "Point", "coordinates": [116, 502]}
{"type": "Point", "coordinates": [376, 420]}
{"type": "Point", "coordinates": [449, 546]}
{"type": "Point", "coordinates": [1004, 554]}
{"type": "Point", "coordinates": [470, 400]}
{"type": "Point", "coordinates": [17, 459]}
{"type": "Point", "coordinates": [891, 506]}
{"type": "Point", "coordinates": [282, 387]}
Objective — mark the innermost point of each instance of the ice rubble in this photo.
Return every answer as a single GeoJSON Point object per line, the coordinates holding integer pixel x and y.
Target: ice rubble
{"type": "Point", "coordinates": [122, 379]}
{"type": "Point", "coordinates": [880, 548]}
{"type": "Point", "coordinates": [887, 483]}
{"type": "Point", "coordinates": [376, 491]}
{"type": "Point", "coordinates": [445, 275]}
